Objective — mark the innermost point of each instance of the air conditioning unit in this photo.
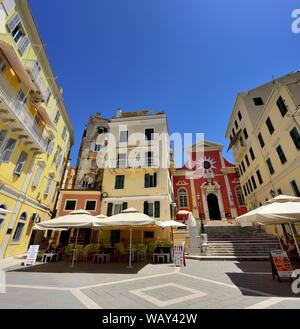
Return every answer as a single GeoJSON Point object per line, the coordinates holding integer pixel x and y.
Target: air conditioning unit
{"type": "Point", "coordinates": [36, 218]}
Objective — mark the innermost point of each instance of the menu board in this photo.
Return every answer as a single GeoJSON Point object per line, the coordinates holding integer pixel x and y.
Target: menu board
{"type": "Point", "coordinates": [179, 259]}
{"type": "Point", "coordinates": [32, 255]}
{"type": "Point", "coordinates": [281, 265]}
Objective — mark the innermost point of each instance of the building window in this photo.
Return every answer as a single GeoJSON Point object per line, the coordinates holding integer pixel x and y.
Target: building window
{"type": "Point", "coordinates": [8, 150]}
{"type": "Point", "coordinates": [149, 161]}
{"type": "Point", "coordinates": [70, 205]}
{"type": "Point", "coordinates": [243, 166]}
{"type": "Point", "coordinates": [270, 166]}
{"type": "Point", "coordinates": [149, 134]}
{"type": "Point", "coordinates": [101, 130]}
{"type": "Point", "coordinates": [123, 136]}
{"type": "Point", "coordinates": [279, 192]}
{"type": "Point", "coordinates": [241, 171]}
{"type": "Point", "coordinates": [97, 147]}
{"type": "Point", "coordinates": [295, 137]}
{"type": "Point", "coordinates": [260, 180]}
{"type": "Point", "coordinates": [64, 133]}
{"type": "Point", "coordinates": [152, 209]}
{"type": "Point", "coordinates": [21, 97]}
{"type": "Point", "coordinates": [233, 132]}
{"type": "Point", "coordinates": [247, 160]}
{"type": "Point", "coordinates": [250, 184]}
{"type": "Point", "coordinates": [270, 126]}
{"type": "Point", "coordinates": [236, 124]}
{"type": "Point", "coordinates": [261, 140]}
{"type": "Point", "coordinates": [37, 176]}
{"type": "Point", "coordinates": [21, 163]}
{"type": "Point", "coordinates": [150, 180]}
{"type": "Point", "coordinates": [2, 216]}
{"type": "Point", "coordinates": [239, 115]}
{"type": "Point", "coordinates": [240, 196]}
{"type": "Point", "coordinates": [245, 133]}
{"type": "Point", "coordinates": [48, 185]}
{"type": "Point", "coordinates": [90, 205]}
{"type": "Point", "coordinates": [247, 186]}
{"type": "Point", "coordinates": [241, 141]}
{"type": "Point", "coordinates": [117, 209]}
{"type": "Point", "coordinates": [20, 227]}
{"type": "Point", "coordinates": [122, 160]}
{"type": "Point", "coordinates": [252, 153]}
{"type": "Point", "coordinates": [295, 188]}
{"type": "Point", "coordinates": [282, 106]}
{"type": "Point", "coordinates": [182, 198]}
{"type": "Point", "coordinates": [281, 154]}
{"type": "Point", "coordinates": [57, 116]}
{"type": "Point", "coordinates": [18, 33]}
{"type": "Point", "coordinates": [119, 183]}
{"type": "Point", "coordinates": [245, 191]}
{"type": "Point", "coordinates": [258, 101]}
{"type": "Point", "coordinates": [253, 182]}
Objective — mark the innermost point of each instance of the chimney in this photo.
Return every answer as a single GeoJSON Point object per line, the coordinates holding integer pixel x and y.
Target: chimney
{"type": "Point", "coordinates": [119, 113]}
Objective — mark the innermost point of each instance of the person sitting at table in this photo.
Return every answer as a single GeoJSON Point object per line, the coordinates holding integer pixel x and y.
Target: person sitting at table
{"type": "Point", "coordinates": [292, 250]}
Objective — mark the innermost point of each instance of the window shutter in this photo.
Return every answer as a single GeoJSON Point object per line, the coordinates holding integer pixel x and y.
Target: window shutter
{"type": "Point", "coordinates": [147, 180]}
{"type": "Point", "coordinates": [37, 176]}
{"type": "Point", "coordinates": [146, 208]}
{"type": "Point", "coordinates": [155, 180]}
{"type": "Point", "coordinates": [157, 209]}
{"type": "Point", "coordinates": [109, 209]}
{"type": "Point", "coordinates": [21, 163]}
{"type": "Point", "coordinates": [124, 205]}
{"type": "Point", "coordinates": [8, 150]}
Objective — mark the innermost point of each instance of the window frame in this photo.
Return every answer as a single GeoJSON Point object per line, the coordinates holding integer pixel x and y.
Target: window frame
{"type": "Point", "coordinates": [21, 162]}
{"type": "Point", "coordinates": [90, 200]}
{"type": "Point", "coordinates": [182, 192]}
{"type": "Point", "coordinates": [70, 200]}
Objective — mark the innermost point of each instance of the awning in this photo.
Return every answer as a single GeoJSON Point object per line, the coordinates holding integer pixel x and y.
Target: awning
{"type": "Point", "coordinates": [14, 61]}
{"type": "Point", "coordinates": [234, 139]}
{"type": "Point", "coordinates": [45, 116]}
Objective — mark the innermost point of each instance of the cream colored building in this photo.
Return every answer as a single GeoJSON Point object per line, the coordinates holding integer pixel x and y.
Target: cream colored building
{"type": "Point", "coordinates": [146, 184]}
{"type": "Point", "coordinates": [264, 130]}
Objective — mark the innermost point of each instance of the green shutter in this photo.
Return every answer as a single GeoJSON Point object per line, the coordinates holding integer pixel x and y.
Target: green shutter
{"type": "Point", "coordinates": [157, 209]}
{"type": "Point", "coordinates": [109, 209]}
{"type": "Point", "coordinates": [146, 208]}
{"type": "Point", "coordinates": [155, 180]}
{"type": "Point", "coordinates": [124, 205]}
{"type": "Point", "coordinates": [147, 180]}
{"type": "Point", "coordinates": [119, 184]}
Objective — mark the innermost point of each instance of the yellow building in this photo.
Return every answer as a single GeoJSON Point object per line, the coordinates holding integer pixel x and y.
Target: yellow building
{"type": "Point", "coordinates": [35, 129]}
{"type": "Point", "coordinates": [138, 173]}
{"type": "Point", "coordinates": [264, 130]}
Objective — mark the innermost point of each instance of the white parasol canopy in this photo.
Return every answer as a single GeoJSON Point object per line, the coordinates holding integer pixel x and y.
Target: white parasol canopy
{"type": "Point", "coordinates": [75, 219]}
{"type": "Point", "coordinates": [183, 212]}
{"type": "Point", "coordinates": [284, 198]}
{"type": "Point", "coordinates": [171, 223]}
{"type": "Point", "coordinates": [129, 217]}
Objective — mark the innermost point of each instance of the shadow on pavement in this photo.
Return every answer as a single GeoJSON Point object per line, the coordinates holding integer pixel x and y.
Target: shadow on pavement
{"type": "Point", "coordinates": [82, 267]}
{"type": "Point", "coordinates": [261, 283]}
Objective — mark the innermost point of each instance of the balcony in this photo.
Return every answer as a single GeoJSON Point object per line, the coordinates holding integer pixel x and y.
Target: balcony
{"type": "Point", "coordinates": [135, 164]}
{"type": "Point", "coordinates": [34, 72]}
{"type": "Point", "coordinates": [239, 150]}
{"type": "Point", "coordinates": [19, 119]}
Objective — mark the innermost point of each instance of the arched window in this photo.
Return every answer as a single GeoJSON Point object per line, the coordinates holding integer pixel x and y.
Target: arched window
{"type": "Point", "coordinates": [20, 227]}
{"type": "Point", "coordinates": [240, 196]}
{"type": "Point", "coordinates": [182, 198]}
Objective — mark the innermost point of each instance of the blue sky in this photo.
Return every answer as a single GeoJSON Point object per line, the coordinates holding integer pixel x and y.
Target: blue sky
{"type": "Point", "coordinates": [188, 58]}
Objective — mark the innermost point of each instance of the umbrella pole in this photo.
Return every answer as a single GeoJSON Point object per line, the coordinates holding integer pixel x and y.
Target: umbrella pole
{"type": "Point", "coordinates": [98, 240]}
{"type": "Point", "coordinates": [293, 234]}
{"type": "Point", "coordinates": [130, 245]}
{"type": "Point", "coordinates": [172, 243]}
{"type": "Point", "coordinates": [74, 251]}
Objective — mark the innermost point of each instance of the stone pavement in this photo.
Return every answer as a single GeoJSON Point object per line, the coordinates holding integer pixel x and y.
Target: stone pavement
{"type": "Point", "coordinates": [200, 285]}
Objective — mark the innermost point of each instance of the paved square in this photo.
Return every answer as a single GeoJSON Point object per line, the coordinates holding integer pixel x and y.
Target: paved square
{"type": "Point", "coordinates": [193, 293]}
{"type": "Point", "coordinates": [199, 285]}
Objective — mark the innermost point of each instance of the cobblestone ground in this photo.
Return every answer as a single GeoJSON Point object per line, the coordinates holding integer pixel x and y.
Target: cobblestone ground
{"type": "Point", "coordinates": [200, 285]}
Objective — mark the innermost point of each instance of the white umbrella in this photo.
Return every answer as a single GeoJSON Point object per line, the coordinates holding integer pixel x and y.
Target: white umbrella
{"type": "Point", "coordinates": [283, 198]}
{"type": "Point", "coordinates": [75, 219]}
{"type": "Point", "coordinates": [128, 218]}
{"type": "Point", "coordinates": [183, 212]}
{"type": "Point", "coordinates": [272, 214]}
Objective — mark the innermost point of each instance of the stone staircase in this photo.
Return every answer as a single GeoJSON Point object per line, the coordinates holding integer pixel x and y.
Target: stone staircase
{"type": "Point", "coordinates": [234, 242]}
